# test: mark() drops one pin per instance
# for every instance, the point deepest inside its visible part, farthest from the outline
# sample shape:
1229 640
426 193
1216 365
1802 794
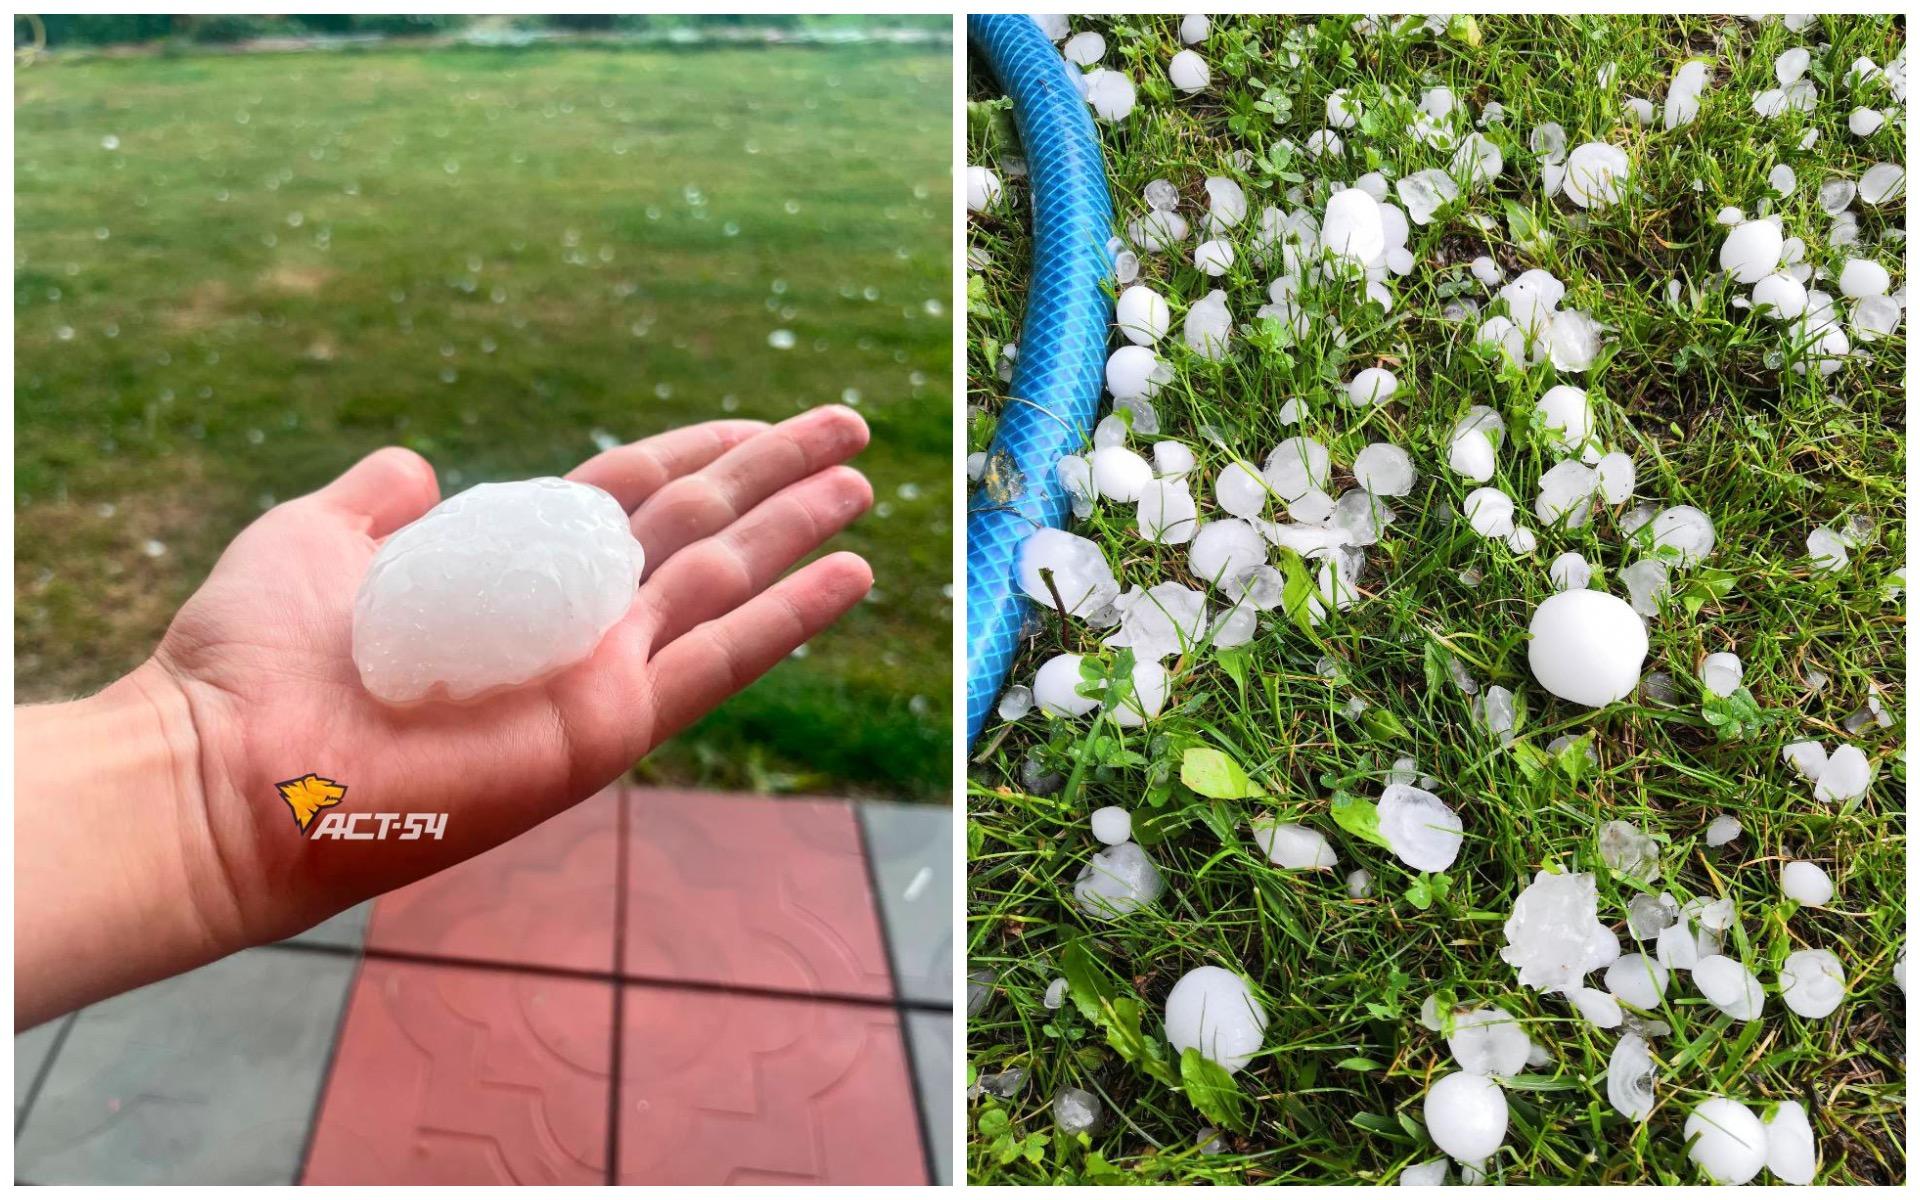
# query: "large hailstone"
496 587
1081 578
1488 1041
1593 174
1419 827
1212 1010
1790 1148
1729 986
1587 647
1554 937
1466 1116
1813 983
1728 1141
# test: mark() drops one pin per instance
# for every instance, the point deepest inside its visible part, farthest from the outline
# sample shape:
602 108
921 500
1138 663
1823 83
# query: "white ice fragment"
1646 583
1598 1008
1166 513
1751 250
1722 829
1567 415
1294 847
1117 881
1570 571
1587 647
1630 1077
1075 1110
1637 980
1081 578
1187 71
1056 994
1142 315
1208 326
1727 1140
1813 983
1594 174
1384 469
1119 473
1240 490
1425 193
1686 531
1845 776
1791 1155
1863 277
1720 673
1554 937
1806 883
1488 1041
1353 227
983 189
1297 466
1373 386
1112 824
1161 621
1419 828
1194 28
1084 49
1882 182
1056 687
1629 850
1466 1116
1225 550
1808 758
1780 296
496 587
1432 1173
1110 93
1133 371
1359 883
1214 257
1489 511
1729 986
1212 1010
1173 460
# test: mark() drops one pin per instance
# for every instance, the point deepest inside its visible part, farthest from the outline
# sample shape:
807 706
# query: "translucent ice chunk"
1637 980
1488 1041
1075 1110
1112 824
1813 983
1727 1140
498 586
1630 851
1117 881
1554 937
1295 847
1630 1078
1419 827
1212 1010
1384 469
1729 986
1790 1148
1080 574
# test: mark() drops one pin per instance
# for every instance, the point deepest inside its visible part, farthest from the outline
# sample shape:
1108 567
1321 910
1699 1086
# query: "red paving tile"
753 892
547 898
726 1088
450 1075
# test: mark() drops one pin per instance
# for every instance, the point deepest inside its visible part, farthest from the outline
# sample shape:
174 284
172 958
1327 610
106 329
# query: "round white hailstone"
1173 460
1297 466
1630 1077
1573 341
1188 72
1375 386
1554 937
1194 28
1148 698
1055 684
1568 415
1119 473
1637 980
1236 625
1640 109
1780 296
1056 994
1845 776
1827 549
493 588
1791 64
1142 315
1813 983
1782 180
1226 203
1790 1150
1470 454
1225 550
1342 112
1490 511
1353 226
1359 884
1466 1116
1863 277
1808 758
1477 161
1722 829
1208 326
1751 251
1081 577
1084 49
1485 270
1594 172
1240 490
1687 531
1167 514
1721 673
1587 647
1215 258
1324 142
1729 986
1131 371
1295 847
1615 474
1384 469
1731 1144
1570 571
1598 1008
1419 827
1112 824
983 189
1873 318
1806 883
1521 540
1882 182
1212 1010
1111 95
1117 881
1488 1041
1863 122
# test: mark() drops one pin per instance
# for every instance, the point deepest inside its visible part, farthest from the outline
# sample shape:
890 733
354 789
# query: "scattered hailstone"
1432 1173
1752 250
1630 1077
1188 72
1594 172
1813 983
1359 884
1117 881
1194 28
1726 1140
1142 315
1079 572
1016 702
1570 571
1790 1148
1827 549
1294 847
1637 980
1056 994
1075 1110
1488 1041
1845 777
1720 674
1807 758
493 588
1806 883
1112 824
1722 829
1630 851
1084 49
1554 937
1212 1010
983 189
1587 647
1686 531
1214 258
1110 94
1729 986
1208 326
1056 687
1419 828
1882 182
1466 1116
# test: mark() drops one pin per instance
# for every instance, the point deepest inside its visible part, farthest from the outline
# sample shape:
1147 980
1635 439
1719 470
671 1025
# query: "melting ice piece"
1117 881
1722 829
1076 1110
1729 986
1790 1149
1056 994
496 587
1627 849
1637 980
1420 829
1432 1173
1813 983
1807 883
1488 1041
1295 847
1466 1116
1112 824
1056 687
1016 702
1732 1144
1554 937
1212 1010
1721 673
1630 1078
1081 576
1845 777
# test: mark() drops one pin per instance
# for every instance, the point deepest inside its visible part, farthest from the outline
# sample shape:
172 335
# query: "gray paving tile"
912 848
208 1078
931 1035
347 930
30 1050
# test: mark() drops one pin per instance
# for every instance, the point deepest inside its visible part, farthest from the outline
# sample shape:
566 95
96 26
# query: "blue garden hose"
1063 344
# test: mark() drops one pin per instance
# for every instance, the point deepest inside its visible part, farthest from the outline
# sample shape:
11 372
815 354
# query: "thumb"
386 490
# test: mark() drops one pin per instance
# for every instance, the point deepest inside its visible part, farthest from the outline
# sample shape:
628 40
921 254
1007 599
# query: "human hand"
255 683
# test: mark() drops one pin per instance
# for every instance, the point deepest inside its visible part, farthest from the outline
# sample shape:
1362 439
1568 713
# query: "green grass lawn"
1691 393
234 275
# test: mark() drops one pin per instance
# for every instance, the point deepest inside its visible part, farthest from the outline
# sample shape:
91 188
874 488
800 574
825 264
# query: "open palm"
262 656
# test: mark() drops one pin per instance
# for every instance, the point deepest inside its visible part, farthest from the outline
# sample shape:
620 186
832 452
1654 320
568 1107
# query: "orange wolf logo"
307 795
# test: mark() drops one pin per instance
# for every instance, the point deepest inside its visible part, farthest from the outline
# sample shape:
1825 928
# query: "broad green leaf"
1211 773
1358 816
1212 1090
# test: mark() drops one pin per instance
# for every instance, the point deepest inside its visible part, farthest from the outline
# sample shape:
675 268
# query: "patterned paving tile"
751 891
457 1075
931 1036
547 898
206 1078
912 849
734 1089
30 1050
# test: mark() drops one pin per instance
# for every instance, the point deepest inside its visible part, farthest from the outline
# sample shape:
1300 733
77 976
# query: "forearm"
116 878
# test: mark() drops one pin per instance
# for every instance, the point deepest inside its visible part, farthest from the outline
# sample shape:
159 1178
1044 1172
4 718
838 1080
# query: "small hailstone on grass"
1726 1140
1372 386
1587 647
1056 687
983 189
1485 270
1790 1148
1212 1010
1225 550
1187 71
1646 583
1111 824
1808 758
1570 571
1683 94
1384 469
1161 621
1142 315
1016 702
1466 1116
1648 914
1813 983
1240 490
1425 193
1496 709
1359 884
1722 829
1751 250
1167 513
1641 110
1594 172
1488 1041
1637 980
1296 466
1081 577
1075 1110
1117 881
1882 182
1782 180
1111 95
1056 994
1132 371
1685 530
1845 776
1598 1008
1630 1077
1214 258
1419 828
1862 277
1294 847
1226 203
1729 986
1208 326
1432 1173
1119 473
1554 937
1084 49
1353 227
1566 494
1720 673
1780 297
1172 460
1630 851
1194 28
1343 112
1863 122
1489 511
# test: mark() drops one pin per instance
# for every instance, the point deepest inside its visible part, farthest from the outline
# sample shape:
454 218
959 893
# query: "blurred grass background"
237 273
